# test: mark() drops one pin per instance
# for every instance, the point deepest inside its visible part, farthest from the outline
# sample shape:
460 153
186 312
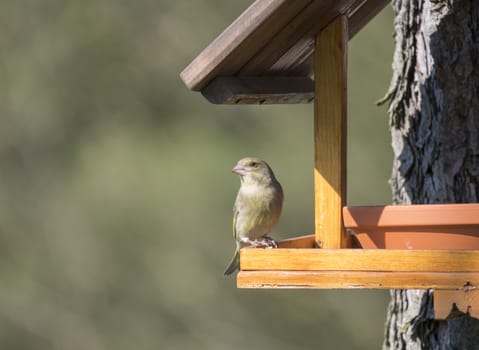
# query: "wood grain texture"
259 90
299 242
355 279
292 44
362 12
243 38
274 38
360 260
449 304
330 134
298 58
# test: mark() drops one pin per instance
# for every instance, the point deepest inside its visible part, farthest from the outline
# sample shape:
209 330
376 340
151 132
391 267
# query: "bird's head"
253 169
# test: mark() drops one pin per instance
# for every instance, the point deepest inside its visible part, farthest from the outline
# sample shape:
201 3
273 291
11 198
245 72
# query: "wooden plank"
288 46
299 242
362 12
411 215
243 38
259 90
355 279
299 36
274 37
297 60
330 134
360 260
449 304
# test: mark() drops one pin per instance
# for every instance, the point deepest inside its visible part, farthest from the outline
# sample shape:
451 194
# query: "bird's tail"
235 262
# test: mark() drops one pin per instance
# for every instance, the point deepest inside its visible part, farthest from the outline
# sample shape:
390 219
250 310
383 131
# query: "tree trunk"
434 120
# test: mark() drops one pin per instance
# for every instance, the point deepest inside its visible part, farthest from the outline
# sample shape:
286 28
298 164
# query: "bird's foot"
246 242
265 242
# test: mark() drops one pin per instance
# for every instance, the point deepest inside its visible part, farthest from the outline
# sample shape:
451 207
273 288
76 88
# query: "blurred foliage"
116 191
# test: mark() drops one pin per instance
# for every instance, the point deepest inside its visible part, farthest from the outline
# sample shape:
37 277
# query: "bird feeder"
270 54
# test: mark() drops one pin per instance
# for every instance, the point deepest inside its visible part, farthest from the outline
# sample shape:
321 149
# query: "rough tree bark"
434 119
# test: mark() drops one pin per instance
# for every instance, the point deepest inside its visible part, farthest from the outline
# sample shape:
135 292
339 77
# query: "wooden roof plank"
289 44
298 59
240 41
274 38
363 13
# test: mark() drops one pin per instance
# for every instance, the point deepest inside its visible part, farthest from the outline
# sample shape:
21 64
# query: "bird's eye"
254 164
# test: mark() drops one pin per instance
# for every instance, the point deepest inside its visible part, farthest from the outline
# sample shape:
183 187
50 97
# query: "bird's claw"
266 242
246 242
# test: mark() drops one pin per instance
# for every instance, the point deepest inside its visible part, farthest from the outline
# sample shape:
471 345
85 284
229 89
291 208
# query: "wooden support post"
330 70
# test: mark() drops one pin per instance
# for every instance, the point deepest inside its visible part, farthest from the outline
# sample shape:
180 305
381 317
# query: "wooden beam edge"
356 280
259 90
307 241
231 49
359 260
362 13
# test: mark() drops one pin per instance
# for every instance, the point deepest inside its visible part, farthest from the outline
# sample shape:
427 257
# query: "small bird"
257 207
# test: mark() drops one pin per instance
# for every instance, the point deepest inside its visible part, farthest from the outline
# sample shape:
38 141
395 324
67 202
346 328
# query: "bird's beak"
239 170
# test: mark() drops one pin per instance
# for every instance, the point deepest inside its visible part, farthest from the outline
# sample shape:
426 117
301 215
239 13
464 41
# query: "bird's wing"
235 216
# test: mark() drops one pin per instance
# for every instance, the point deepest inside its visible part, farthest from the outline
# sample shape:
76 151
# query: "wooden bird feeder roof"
266 54
270 54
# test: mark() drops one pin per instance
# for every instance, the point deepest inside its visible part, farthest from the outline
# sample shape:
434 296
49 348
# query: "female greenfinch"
257 207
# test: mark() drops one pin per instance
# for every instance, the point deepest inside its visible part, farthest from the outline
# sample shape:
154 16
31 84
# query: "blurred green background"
116 191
